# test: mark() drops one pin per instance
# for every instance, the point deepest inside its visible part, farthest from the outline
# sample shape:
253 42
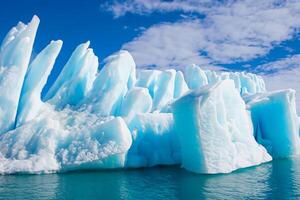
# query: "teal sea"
279 179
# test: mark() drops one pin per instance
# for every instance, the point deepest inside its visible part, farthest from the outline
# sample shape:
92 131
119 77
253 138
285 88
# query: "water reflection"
285 179
276 180
244 184
28 186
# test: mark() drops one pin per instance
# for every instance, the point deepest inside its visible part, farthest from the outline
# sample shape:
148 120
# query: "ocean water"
279 179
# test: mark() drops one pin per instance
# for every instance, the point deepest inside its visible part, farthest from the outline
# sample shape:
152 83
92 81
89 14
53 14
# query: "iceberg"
180 85
137 100
215 130
35 79
275 122
76 78
15 54
121 116
195 77
244 82
148 79
154 141
111 85
63 141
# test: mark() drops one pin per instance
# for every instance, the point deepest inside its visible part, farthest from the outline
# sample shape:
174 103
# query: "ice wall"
137 100
154 141
121 117
111 85
215 130
35 79
76 78
275 121
62 141
15 54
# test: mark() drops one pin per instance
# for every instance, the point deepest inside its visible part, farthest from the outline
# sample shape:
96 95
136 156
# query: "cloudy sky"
246 35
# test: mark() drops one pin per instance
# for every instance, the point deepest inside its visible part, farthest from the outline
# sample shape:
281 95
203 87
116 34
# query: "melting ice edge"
119 117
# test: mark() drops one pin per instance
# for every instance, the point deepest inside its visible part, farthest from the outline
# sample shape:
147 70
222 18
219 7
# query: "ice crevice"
125 117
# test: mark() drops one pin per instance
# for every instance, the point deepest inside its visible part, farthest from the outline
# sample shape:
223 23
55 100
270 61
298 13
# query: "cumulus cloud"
229 32
121 7
169 45
283 74
285 64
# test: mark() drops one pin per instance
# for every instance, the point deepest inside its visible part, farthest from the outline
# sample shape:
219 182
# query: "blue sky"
255 36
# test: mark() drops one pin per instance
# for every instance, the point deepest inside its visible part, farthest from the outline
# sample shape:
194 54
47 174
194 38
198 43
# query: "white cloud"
286 64
230 32
285 80
142 7
283 74
169 45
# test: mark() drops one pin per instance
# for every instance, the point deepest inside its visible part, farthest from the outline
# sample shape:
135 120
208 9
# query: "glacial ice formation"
15 54
76 78
123 117
154 140
66 140
215 130
275 121
35 80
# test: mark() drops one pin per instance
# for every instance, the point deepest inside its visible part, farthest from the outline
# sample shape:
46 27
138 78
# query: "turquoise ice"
123 117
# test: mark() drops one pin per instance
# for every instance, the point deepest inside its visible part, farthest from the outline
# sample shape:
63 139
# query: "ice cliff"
123 117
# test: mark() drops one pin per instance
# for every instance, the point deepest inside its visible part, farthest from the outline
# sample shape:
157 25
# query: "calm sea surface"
279 179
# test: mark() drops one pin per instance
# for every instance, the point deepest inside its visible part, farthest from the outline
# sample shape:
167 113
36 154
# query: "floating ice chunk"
30 148
162 86
180 85
275 121
247 82
68 71
212 76
154 141
164 92
12 34
148 79
101 146
76 78
195 77
137 100
35 79
13 52
65 140
111 85
215 130
180 88
250 83
14 58
299 125
244 82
